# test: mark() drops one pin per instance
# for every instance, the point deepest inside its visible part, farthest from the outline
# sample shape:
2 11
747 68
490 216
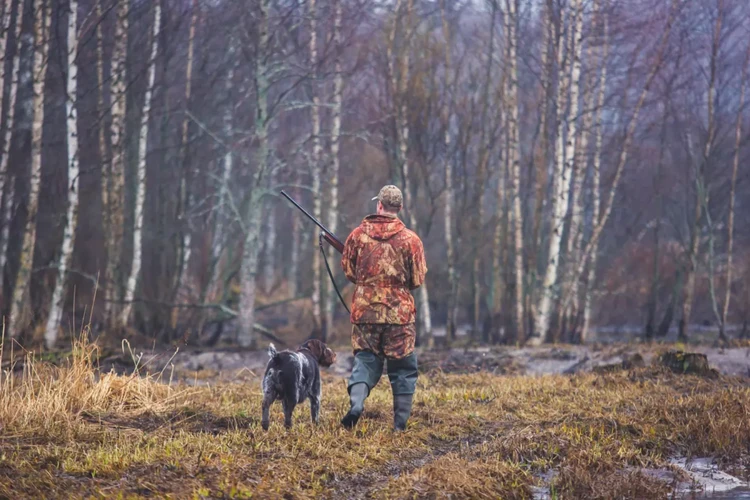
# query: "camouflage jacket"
385 260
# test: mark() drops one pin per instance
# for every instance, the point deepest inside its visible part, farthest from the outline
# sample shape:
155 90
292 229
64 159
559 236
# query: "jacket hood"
381 227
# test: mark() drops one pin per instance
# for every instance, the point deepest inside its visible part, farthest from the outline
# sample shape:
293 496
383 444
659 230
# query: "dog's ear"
324 355
328 358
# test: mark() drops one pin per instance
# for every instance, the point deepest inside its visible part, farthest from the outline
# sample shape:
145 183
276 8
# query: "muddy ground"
200 366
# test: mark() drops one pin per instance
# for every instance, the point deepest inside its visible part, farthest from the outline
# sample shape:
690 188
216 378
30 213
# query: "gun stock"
327 235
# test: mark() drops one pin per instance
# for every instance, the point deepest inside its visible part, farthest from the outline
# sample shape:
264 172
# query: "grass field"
69 432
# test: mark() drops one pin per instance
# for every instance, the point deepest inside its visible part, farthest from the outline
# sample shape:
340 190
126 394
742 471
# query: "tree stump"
687 363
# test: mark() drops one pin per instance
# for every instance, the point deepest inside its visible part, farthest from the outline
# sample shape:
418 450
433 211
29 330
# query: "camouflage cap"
390 196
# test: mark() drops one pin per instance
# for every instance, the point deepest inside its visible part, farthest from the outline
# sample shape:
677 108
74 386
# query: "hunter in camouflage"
385 261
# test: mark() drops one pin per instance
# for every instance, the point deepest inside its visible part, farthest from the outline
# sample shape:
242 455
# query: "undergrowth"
71 432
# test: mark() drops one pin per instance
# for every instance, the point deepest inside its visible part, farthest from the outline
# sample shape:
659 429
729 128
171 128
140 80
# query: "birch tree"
338 97
135 269
515 164
9 111
590 253
115 180
596 172
448 207
701 189
71 218
42 16
315 167
733 196
184 202
559 203
399 80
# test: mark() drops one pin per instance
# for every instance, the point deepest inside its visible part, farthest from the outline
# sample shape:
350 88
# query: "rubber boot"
357 395
401 410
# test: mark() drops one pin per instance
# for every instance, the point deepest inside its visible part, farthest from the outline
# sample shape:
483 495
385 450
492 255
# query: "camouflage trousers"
392 346
384 340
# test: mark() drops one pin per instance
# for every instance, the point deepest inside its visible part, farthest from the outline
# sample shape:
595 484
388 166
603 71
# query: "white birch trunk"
251 247
186 245
333 202
515 166
5 27
18 315
135 269
449 189
102 110
293 275
320 328
589 254
732 195
116 182
71 218
6 137
269 248
219 238
7 216
403 147
596 179
559 198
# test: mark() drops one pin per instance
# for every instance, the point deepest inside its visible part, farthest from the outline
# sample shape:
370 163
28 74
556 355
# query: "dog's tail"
272 351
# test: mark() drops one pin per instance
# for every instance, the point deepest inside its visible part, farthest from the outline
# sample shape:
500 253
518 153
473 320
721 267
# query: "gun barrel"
331 238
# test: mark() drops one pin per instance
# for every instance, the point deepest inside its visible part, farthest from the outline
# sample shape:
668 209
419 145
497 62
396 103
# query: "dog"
293 377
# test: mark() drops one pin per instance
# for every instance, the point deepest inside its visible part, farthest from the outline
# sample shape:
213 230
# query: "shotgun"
327 235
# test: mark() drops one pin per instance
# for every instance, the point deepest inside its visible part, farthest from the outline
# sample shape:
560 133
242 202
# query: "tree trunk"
185 197
10 112
71 220
251 247
116 181
702 194
333 202
596 178
515 167
559 191
320 328
269 247
732 196
448 214
19 313
135 269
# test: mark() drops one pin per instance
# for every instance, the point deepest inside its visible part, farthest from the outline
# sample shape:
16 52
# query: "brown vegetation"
69 430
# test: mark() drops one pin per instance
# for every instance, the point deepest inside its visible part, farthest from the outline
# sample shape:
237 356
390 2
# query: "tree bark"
448 214
515 167
135 269
7 135
185 198
559 191
333 202
115 184
701 195
18 316
71 219
320 327
732 197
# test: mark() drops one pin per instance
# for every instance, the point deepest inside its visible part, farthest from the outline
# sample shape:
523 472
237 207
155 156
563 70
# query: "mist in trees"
570 165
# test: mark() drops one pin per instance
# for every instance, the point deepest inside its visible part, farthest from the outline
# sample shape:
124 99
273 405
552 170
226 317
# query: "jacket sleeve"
349 257
418 264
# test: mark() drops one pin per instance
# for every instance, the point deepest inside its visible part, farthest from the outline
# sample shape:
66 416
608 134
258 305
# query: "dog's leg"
315 394
288 405
315 408
268 400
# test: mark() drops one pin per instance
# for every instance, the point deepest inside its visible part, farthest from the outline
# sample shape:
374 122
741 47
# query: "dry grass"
70 432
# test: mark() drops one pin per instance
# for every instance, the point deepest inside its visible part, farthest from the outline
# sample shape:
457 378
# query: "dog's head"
321 352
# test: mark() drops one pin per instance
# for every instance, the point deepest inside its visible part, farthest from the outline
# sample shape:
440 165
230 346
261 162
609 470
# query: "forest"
571 166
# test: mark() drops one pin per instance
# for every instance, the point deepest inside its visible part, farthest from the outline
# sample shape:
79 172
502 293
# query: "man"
385 261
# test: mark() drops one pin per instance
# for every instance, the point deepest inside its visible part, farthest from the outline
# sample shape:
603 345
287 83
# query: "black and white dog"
293 377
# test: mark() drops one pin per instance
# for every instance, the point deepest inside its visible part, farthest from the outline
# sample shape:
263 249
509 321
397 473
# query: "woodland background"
569 164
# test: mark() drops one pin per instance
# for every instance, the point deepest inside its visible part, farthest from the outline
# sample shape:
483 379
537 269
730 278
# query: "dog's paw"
264 425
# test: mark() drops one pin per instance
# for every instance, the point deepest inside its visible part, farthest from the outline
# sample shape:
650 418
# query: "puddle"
708 481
